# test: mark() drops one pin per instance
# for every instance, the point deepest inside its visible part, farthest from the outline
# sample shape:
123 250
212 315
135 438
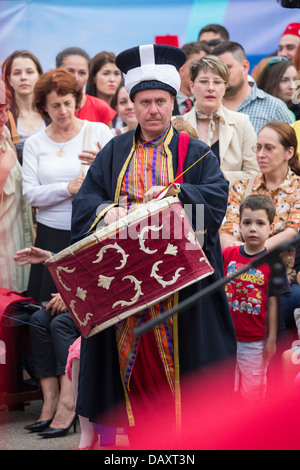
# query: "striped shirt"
148 167
262 107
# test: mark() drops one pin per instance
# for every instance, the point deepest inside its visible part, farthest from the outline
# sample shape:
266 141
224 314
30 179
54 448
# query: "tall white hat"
152 66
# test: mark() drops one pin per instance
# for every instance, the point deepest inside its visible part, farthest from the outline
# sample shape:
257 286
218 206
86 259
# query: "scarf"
212 125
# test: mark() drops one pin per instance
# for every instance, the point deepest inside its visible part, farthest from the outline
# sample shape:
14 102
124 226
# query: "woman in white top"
229 134
16 230
54 166
21 71
55 162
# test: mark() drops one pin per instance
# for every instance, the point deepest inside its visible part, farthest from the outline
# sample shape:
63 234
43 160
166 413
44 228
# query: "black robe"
206 332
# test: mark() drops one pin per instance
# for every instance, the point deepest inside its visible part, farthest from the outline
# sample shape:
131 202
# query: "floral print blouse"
287 202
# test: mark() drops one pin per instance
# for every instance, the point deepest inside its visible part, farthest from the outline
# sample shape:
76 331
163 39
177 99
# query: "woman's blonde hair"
211 62
184 126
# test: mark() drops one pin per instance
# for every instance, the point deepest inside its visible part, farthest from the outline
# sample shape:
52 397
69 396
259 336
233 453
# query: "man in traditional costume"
118 368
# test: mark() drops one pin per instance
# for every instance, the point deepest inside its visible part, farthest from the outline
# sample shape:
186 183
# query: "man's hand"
56 305
114 214
156 190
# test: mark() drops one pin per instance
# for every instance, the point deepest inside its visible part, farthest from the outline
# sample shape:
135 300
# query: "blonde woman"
229 134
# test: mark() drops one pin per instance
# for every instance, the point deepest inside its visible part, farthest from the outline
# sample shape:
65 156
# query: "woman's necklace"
61 152
67 135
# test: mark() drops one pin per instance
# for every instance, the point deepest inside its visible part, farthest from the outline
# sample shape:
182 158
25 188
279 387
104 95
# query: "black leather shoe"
58 432
38 426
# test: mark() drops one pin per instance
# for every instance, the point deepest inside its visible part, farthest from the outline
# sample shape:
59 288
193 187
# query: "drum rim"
146 209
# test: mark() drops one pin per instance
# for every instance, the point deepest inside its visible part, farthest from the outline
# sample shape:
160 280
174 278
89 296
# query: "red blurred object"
215 419
292 28
168 39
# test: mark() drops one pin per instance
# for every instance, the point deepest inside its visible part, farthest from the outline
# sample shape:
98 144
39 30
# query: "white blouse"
46 175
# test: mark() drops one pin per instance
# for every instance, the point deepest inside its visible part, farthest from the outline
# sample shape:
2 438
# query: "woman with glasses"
229 134
278 78
279 179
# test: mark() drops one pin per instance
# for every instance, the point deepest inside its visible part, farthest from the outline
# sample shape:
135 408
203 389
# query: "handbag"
15 308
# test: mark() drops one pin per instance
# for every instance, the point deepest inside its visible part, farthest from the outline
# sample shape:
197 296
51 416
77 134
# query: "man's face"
208 36
288 45
185 73
153 109
238 73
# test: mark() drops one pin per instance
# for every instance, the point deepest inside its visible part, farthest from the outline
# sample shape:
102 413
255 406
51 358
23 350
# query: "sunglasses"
275 60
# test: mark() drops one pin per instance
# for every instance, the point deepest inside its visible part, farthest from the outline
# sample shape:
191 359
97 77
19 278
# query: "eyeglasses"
204 83
275 60
267 148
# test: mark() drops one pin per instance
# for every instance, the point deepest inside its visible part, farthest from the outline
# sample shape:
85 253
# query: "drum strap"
183 144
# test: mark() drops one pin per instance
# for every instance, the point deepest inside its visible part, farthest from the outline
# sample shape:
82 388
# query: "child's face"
255 227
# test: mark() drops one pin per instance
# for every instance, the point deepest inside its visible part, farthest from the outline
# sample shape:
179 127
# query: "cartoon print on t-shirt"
247 295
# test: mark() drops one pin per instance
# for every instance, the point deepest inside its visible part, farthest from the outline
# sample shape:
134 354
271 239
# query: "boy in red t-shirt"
253 307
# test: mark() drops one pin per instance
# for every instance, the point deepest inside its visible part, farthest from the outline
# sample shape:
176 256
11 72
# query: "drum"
125 267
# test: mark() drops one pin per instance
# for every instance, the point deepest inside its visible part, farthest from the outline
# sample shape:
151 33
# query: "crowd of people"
94 130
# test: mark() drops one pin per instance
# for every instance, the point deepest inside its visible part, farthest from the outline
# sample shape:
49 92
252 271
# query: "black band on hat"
153 66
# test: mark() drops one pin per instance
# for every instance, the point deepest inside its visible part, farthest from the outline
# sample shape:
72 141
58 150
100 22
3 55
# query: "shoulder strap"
87 135
250 186
13 129
86 141
183 144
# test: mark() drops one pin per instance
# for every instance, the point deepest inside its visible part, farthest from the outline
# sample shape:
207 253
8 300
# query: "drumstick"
172 182
160 195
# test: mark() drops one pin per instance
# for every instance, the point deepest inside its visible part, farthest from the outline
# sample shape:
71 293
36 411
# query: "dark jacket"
206 332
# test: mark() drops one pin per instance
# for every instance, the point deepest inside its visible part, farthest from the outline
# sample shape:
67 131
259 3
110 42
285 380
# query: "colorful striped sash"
147 168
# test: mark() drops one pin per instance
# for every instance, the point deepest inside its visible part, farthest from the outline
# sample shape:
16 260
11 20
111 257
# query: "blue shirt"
262 107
